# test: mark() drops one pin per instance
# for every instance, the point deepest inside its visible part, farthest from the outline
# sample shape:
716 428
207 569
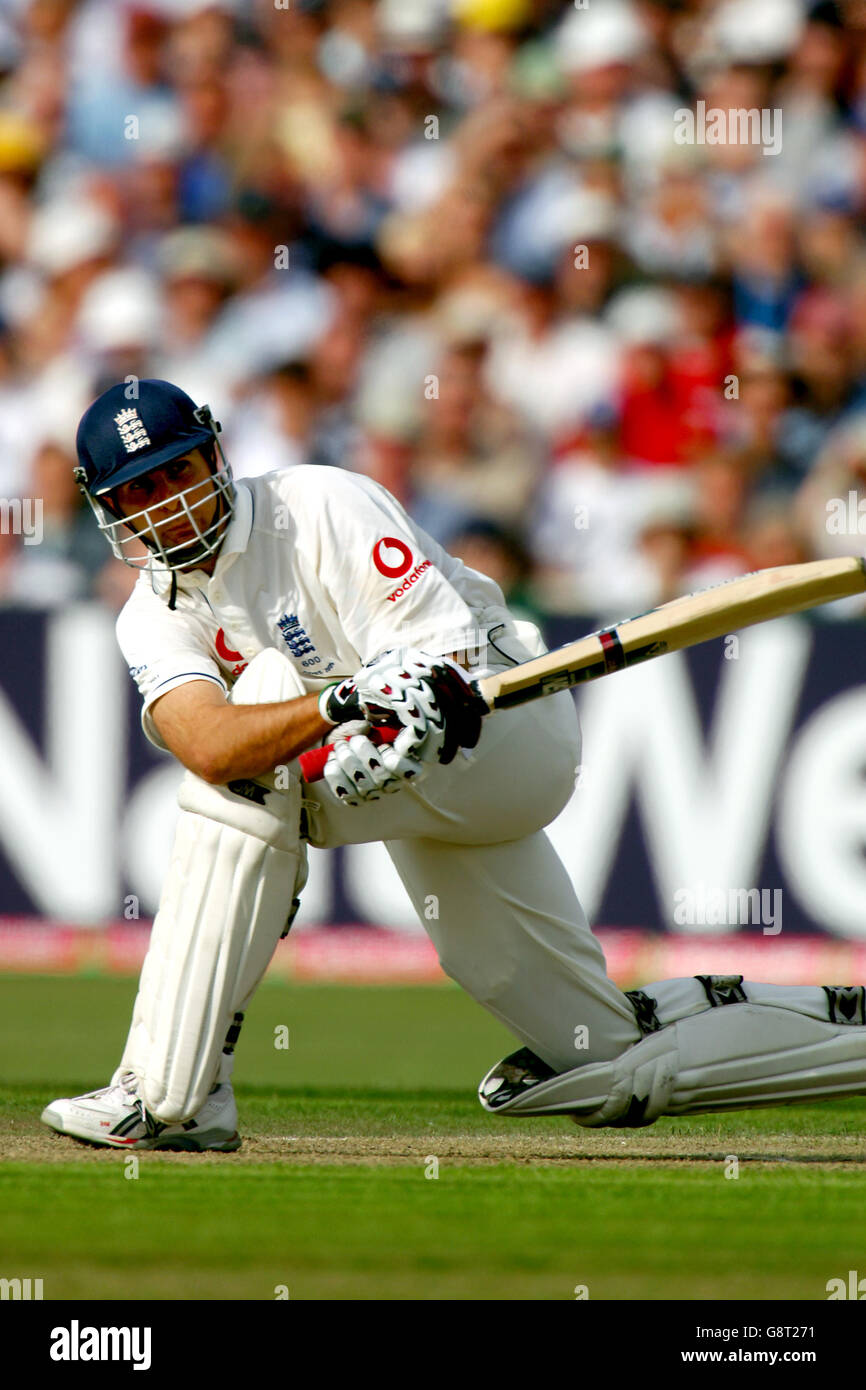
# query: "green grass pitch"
334 1193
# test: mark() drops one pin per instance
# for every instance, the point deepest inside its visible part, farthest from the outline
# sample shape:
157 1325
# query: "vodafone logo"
392 544
224 650
228 654
418 572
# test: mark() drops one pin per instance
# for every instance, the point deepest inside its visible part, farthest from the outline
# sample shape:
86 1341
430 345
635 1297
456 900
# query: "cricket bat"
684 622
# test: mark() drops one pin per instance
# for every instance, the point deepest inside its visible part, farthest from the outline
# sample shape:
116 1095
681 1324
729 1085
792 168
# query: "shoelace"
127 1084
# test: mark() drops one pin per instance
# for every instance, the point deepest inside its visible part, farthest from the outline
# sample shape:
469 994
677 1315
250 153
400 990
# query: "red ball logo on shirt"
224 650
392 543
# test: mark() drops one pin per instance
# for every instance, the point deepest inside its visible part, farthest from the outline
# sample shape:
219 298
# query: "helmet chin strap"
191 563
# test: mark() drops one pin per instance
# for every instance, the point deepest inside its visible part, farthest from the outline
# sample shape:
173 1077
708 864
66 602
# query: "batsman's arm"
220 742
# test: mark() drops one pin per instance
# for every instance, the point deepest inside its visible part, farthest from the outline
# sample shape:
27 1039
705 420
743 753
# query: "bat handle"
313 762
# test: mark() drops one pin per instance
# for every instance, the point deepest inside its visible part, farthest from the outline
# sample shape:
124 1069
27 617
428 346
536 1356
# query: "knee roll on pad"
252 807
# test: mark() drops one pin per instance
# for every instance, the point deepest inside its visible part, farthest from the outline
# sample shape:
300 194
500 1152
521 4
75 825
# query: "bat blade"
684 622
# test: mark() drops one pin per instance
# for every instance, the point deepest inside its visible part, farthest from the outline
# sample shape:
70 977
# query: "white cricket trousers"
510 928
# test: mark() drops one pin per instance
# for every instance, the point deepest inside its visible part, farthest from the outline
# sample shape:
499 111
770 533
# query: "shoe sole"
175 1145
180 1143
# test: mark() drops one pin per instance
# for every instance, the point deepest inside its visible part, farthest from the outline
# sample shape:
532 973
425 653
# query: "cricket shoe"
115 1116
512 1077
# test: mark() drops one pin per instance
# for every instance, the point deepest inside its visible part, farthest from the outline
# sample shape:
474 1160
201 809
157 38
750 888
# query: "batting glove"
358 770
338 703
429 696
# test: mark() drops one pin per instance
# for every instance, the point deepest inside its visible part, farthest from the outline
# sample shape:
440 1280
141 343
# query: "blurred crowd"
462 247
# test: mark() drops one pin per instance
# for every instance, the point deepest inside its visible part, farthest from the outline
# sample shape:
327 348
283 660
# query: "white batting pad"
733 1057
235 868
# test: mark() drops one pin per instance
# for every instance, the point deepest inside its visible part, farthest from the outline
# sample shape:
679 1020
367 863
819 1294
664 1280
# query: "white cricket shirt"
322 564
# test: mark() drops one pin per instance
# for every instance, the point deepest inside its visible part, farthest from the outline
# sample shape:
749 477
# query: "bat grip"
313 762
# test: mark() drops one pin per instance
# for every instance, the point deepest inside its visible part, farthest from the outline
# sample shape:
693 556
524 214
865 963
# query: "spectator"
474 456
306 216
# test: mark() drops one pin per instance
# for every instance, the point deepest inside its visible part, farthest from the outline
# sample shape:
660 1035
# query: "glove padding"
429 696
359 770
339 702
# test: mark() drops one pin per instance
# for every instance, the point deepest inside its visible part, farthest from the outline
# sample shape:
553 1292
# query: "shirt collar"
239 528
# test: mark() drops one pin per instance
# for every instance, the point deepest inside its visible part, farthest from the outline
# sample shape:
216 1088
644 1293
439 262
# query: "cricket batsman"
299 609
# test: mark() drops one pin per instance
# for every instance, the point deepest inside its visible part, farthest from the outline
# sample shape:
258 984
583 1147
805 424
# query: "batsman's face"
171 501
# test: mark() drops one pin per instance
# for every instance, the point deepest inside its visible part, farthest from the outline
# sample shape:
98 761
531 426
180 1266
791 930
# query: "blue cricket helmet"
119 437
